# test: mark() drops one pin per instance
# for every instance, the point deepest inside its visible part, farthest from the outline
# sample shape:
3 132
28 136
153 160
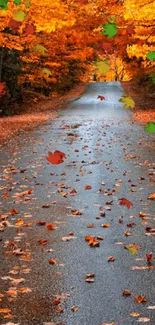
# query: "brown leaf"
73 192
126 293
76 212
13 211
41 223
74 308
46 206
42 242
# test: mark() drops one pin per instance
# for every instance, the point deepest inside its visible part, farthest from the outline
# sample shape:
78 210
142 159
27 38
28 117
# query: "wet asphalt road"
103 149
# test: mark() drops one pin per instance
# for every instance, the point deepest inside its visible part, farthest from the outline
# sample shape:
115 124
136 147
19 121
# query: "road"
115 157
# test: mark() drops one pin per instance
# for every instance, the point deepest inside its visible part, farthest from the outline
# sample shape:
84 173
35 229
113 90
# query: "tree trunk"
1 63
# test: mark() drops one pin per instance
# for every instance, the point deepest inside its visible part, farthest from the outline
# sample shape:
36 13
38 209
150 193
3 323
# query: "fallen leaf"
52 261
5 310
41 223
140 299
151 307
24 290
56 157
50 226
74 308
105 225
151 196
143 320
126 293
73 192
60 310
101 97
148 257
42 242
125 202
91 225
134 314
88 187
76 212
127 233
89 280
111 259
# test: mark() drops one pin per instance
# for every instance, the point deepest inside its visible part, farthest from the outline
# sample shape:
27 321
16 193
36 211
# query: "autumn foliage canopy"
54 44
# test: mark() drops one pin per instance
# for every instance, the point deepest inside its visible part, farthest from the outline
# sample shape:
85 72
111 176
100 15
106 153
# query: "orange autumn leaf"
140 299
42 242
105 225
126 293
50 226
52 261
60 310
125 202
5 310
88 187
56 158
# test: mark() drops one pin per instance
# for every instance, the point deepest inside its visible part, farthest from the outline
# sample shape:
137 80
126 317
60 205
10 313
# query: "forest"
49 46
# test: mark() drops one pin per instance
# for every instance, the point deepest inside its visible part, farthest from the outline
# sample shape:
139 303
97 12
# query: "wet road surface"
105 150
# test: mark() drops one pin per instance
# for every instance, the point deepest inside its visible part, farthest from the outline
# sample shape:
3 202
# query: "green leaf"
46 71
128 101
20 15
153 77
40 48
17 2
150 127
151 55
28 3
4 4
109 29
103 67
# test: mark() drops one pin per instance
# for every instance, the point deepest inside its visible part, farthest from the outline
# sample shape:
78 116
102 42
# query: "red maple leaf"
2 89
107 47
14 24
29 29
101 97
126 202
56 158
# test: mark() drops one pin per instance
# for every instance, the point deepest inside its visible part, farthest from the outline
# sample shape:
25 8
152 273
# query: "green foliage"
109 29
